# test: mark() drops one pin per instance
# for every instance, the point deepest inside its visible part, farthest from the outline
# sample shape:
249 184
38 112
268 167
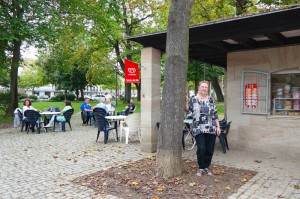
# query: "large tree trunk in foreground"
169 154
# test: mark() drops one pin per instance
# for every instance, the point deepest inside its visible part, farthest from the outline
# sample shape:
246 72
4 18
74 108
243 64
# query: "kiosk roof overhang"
210 42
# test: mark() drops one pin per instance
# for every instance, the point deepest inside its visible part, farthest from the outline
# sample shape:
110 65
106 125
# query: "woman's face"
203 88
27 103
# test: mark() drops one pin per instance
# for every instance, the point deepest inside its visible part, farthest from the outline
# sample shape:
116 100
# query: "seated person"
87 111
102 105
131 106
51 109
129 109
60 118
110 106
27 106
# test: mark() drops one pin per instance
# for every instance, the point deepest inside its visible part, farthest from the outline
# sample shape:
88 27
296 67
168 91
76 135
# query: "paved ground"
42 166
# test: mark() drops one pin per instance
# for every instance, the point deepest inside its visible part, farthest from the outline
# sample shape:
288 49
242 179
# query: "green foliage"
22 96
33 97
196 72
220 109
4 101
61 97
23 21
209 10
71 97
32 75
58 98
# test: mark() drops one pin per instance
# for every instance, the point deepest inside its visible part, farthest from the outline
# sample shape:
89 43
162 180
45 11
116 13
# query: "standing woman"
205 126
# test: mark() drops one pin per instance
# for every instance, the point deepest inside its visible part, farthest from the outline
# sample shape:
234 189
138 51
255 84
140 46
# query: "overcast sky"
29 52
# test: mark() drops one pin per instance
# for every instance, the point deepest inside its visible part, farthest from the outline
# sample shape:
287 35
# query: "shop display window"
281 98
285 92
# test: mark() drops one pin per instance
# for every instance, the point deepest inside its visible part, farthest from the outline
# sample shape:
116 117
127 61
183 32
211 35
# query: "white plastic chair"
124 127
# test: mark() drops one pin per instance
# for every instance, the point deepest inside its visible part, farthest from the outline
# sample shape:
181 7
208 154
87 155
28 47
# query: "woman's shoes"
205 171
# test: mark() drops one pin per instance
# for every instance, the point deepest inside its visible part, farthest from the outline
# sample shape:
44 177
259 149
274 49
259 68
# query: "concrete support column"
150 98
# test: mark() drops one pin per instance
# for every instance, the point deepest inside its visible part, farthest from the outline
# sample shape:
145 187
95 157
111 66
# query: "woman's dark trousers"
205 149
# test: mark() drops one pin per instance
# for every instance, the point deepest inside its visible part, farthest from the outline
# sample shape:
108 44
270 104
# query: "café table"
115 119
48 113
189 133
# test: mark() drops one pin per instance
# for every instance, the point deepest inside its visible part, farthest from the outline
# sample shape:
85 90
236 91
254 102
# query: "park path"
44 165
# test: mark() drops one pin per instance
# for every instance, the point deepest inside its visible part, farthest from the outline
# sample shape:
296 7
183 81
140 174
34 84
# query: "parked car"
44 97
97 97
88 97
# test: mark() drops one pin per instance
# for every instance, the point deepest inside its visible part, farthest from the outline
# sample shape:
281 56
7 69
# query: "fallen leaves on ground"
139 180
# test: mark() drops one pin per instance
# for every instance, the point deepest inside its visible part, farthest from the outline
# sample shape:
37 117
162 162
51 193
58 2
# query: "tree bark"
14 78
169 153
215 84
81 93
138 89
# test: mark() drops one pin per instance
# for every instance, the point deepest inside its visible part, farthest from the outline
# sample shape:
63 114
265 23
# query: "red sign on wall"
250 96
132 74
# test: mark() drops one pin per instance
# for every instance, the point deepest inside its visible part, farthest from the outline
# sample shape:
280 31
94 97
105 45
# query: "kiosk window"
254 92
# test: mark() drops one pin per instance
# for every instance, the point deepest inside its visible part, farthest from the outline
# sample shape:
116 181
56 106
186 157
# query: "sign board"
250 95
132 74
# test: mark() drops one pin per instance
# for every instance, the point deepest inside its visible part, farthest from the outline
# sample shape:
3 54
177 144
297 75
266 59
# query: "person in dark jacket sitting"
128 109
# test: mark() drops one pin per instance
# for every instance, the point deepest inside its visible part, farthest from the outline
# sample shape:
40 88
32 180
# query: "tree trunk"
196 86
169 153
66 93
81 93
14 78
215 84
77 93
138 89
127 93
128 86
241 6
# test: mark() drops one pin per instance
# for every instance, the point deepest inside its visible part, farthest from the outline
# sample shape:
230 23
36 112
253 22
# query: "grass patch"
220 108
4 119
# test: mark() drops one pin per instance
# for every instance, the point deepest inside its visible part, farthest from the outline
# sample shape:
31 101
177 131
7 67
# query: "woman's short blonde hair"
203 82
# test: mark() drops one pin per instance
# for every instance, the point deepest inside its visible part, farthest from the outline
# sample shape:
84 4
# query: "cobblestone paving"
44 165
278 176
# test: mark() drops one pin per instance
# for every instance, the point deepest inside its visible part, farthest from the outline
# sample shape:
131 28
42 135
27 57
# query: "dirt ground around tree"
139 180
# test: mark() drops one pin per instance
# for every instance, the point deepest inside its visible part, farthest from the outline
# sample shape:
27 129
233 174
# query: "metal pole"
204 71
116 88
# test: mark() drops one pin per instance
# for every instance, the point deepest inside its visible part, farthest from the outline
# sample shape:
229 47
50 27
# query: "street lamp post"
116 88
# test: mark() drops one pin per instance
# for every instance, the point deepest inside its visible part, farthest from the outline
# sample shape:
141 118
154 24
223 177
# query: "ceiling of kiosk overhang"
210 42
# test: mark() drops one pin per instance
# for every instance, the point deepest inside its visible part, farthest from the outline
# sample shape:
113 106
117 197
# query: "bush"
4 101
22 96
58 98
80 98
61 97
32 97
22 100
71 97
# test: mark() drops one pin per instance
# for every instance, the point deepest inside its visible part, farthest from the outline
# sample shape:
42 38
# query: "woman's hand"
186 102
218 131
